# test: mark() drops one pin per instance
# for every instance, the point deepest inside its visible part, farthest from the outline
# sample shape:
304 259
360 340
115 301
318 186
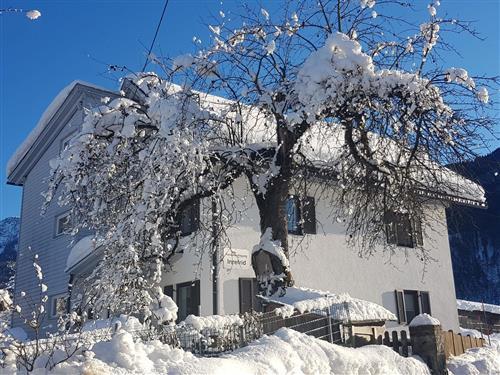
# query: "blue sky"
74 39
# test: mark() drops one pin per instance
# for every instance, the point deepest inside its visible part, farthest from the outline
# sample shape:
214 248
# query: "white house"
224 283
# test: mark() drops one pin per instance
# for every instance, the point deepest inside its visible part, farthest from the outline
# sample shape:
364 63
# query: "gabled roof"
52 121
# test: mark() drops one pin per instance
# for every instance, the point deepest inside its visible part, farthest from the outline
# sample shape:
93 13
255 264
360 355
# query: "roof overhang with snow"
51 123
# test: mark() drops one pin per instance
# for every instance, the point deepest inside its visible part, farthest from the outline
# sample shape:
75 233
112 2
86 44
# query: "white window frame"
66 140
53 304
58 218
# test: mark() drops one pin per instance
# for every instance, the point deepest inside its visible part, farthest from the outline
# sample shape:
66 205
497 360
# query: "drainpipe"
70 290
215 259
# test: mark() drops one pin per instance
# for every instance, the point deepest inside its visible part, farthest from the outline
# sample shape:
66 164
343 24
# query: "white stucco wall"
324 261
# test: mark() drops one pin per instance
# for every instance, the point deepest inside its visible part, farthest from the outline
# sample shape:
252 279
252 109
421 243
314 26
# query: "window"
190 219
63 224
301 215
248 295
66 141
410 303
59 305
188 299
402 231
169 291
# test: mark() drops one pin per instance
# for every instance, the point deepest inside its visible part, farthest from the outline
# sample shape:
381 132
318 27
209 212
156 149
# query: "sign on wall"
237 259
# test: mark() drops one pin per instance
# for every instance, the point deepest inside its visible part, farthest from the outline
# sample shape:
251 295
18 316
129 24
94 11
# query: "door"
188 299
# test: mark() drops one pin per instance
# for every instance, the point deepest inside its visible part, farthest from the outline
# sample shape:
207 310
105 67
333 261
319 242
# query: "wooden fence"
455 344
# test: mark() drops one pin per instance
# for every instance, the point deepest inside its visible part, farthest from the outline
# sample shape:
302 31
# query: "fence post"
330 330
428 343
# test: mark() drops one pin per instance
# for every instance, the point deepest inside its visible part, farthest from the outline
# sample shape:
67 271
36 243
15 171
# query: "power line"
156 34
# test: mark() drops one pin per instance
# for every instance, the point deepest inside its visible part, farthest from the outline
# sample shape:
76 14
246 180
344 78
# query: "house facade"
224 283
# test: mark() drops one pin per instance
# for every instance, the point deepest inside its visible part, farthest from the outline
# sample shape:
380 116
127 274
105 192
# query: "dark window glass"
293 215
188 299
401 231
411 304
63 224
425 302
190 219
169 291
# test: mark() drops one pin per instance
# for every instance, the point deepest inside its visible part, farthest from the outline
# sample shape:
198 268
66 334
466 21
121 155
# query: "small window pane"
426 302
293 215
59 306
63 224
411 304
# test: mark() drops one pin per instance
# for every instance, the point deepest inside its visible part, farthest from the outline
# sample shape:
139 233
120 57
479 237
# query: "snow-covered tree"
341 95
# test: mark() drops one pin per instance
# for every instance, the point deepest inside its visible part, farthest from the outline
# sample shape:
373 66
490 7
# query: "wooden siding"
37 232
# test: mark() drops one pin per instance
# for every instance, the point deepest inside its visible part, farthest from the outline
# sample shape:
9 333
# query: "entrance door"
248 292
188 299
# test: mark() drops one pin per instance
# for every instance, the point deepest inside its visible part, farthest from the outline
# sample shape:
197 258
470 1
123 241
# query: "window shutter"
195 216
425 302
197 295
390 227
309 215
400 306
417 232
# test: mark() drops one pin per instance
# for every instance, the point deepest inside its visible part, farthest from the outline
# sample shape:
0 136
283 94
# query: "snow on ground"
285 352
475 361
343 307
477 306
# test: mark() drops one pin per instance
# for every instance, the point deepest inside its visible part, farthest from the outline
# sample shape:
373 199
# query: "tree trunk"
273 214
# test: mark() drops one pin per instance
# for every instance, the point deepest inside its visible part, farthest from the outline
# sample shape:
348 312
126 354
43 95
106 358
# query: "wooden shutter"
400 306
196 299
390 227
195 216
308 215
417 232
425 303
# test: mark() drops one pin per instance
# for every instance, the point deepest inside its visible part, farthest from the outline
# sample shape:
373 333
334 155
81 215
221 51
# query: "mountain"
475 234
9 236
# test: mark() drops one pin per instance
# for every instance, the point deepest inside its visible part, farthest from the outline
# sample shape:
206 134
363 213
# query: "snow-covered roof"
342 307
81 250
477 306
47 115
323 145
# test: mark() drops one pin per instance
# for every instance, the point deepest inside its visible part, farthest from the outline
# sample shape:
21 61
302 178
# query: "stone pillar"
428 342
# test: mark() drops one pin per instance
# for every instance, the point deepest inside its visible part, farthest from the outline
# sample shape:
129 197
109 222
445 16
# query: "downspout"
215 259
70 290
